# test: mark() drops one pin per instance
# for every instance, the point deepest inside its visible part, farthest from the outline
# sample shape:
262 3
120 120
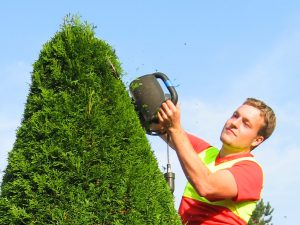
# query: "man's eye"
247 124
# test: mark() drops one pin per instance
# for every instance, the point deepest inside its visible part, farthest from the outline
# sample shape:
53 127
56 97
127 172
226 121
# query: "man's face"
240 132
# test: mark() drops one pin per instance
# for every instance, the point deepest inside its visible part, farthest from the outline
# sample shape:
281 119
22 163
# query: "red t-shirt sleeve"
249 179
198 144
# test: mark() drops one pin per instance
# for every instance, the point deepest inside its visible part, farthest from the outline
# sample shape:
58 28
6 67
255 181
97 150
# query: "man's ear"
257 141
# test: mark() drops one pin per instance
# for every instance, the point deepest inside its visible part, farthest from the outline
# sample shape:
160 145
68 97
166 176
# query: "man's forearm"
167 138
196 172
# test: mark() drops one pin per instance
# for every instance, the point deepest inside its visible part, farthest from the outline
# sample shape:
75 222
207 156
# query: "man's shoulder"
248 175
249 162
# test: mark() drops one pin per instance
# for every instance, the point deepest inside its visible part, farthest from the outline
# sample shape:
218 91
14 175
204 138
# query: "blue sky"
217 53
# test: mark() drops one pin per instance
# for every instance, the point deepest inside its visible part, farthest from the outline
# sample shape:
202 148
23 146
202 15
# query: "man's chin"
227 141
224 138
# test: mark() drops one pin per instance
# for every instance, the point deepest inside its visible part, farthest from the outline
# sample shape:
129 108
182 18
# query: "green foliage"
262 214
81 156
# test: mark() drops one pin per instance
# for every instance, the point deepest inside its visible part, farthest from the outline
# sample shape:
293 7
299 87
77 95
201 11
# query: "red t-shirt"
249 179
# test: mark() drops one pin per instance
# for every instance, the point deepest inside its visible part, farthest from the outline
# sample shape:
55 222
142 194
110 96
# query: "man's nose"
235 123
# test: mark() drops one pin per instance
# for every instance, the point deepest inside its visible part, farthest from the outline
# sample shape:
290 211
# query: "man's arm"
218 185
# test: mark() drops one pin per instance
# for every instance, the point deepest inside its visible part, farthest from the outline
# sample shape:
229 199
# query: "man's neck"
226 151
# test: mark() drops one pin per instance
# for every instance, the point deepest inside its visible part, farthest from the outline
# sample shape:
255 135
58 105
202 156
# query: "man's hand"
169 116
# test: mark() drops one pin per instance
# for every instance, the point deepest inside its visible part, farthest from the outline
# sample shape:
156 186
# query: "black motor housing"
148 97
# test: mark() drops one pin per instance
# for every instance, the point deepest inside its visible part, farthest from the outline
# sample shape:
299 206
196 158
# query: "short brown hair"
269 116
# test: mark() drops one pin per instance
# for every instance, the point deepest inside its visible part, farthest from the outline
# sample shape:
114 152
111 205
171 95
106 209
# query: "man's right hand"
169 116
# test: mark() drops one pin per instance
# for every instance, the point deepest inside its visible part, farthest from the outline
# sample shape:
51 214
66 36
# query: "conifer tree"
81 155
262 214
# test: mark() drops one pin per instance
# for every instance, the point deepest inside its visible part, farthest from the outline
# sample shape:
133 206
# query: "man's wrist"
175 130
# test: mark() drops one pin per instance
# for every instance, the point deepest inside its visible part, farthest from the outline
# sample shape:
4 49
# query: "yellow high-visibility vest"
241 209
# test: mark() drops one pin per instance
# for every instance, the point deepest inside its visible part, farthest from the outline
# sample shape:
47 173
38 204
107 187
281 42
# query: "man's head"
267 113
251 124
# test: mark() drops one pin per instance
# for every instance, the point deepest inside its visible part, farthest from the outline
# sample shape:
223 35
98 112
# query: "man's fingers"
166 108
172 107
159 115
163 113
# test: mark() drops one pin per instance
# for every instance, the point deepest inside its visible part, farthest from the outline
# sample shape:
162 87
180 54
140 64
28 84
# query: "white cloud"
275 74
205 119
283 164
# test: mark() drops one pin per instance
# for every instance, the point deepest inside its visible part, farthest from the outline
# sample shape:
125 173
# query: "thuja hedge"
81 155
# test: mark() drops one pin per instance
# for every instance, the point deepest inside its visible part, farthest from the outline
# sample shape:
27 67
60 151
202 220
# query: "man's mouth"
230 130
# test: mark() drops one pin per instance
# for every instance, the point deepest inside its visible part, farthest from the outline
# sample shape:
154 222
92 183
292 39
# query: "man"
223 185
